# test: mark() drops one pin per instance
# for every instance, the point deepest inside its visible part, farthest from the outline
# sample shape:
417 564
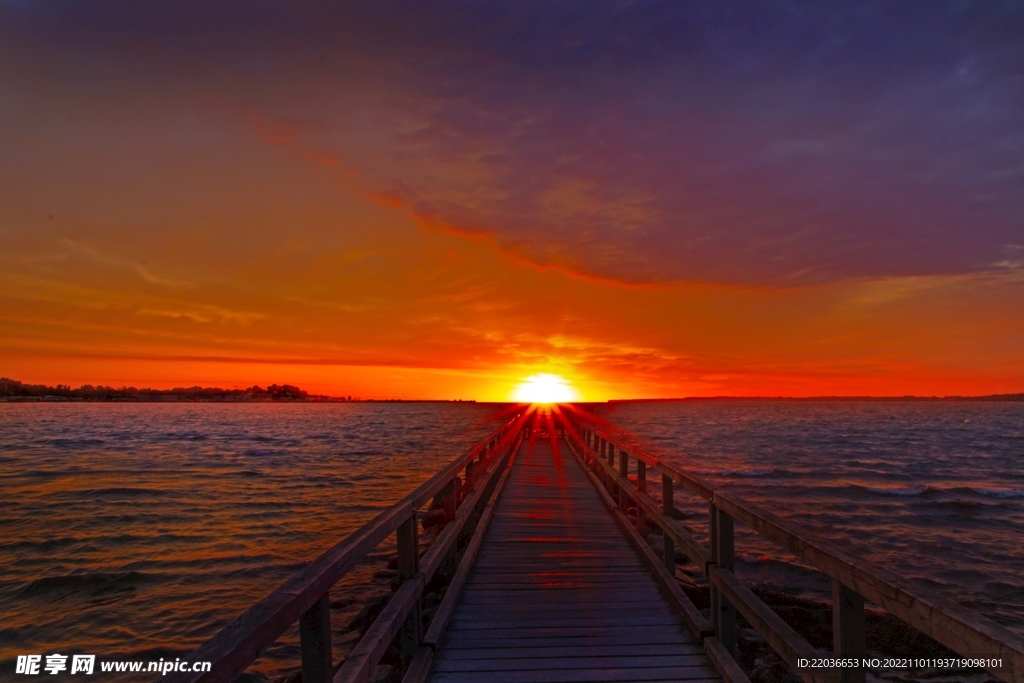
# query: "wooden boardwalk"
558 594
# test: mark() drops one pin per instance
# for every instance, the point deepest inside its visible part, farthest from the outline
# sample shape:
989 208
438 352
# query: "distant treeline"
13 389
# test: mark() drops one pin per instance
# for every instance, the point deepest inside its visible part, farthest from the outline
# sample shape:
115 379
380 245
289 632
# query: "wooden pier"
557 593
553 581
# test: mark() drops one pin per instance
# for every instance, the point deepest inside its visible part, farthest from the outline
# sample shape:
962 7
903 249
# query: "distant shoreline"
13 391
990 398
227 399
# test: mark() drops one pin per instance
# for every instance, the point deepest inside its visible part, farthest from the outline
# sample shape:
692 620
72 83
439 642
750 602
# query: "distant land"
989 397
14 391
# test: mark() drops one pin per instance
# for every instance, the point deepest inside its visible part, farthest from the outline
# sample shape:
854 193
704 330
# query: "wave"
95 582
753 472
121 491
899 491
73 442
998 493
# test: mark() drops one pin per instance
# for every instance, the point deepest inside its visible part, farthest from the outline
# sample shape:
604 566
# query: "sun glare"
545 388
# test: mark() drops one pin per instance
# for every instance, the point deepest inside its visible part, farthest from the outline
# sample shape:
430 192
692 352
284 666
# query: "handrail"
854 580
305 595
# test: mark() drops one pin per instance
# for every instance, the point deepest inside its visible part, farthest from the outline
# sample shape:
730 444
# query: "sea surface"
137 530
931 490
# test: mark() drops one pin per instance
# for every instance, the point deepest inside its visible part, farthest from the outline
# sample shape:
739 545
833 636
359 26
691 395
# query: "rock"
453 488
373 607
437 518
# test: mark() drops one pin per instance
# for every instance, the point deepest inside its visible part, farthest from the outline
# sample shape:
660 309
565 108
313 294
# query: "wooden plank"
629 619
584 675
543 631
555 663
568 598
550 611
547 651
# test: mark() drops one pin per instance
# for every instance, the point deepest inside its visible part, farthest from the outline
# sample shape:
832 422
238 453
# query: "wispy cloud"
142 270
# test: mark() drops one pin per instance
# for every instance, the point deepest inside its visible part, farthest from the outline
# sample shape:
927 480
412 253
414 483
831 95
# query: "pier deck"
558 594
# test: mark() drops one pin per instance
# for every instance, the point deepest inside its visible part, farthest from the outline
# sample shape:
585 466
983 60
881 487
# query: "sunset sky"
435 200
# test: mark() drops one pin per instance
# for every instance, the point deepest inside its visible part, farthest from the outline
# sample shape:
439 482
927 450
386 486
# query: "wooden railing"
305 598
854 580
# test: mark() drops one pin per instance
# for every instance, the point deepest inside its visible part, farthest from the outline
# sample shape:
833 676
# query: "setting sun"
545 388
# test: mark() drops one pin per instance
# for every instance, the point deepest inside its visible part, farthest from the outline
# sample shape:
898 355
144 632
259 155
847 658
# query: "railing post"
315 641
641 486
624 474
666 509
612 487
409 564
848 630
723 614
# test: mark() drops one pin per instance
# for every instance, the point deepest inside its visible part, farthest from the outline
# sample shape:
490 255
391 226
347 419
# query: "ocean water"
933 491
136 531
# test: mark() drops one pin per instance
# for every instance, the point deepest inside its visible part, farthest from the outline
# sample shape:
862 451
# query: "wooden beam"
623 477
446 540
722 659
848 632
315 641
693 548
667 508
363 659
451 596
666 580
723 614
408 565
419 667
641 489
789 644
953 625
